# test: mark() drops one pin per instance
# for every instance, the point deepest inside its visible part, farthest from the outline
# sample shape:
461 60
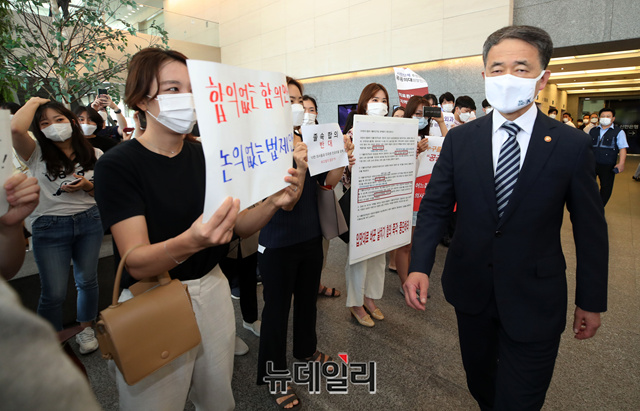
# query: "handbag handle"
163 278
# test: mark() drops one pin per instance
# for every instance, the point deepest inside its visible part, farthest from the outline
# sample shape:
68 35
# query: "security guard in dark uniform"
608 141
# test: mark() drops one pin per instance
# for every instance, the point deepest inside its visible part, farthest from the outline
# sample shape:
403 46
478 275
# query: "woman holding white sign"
365 280
290 261
414 109
151 191
311 118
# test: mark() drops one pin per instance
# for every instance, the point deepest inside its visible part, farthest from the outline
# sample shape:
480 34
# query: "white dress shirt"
525 122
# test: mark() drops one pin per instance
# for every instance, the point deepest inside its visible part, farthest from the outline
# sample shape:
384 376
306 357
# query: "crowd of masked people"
95 178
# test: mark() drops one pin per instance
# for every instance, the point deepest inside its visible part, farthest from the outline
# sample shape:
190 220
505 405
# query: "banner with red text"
325 147
426 161
246 129
409 84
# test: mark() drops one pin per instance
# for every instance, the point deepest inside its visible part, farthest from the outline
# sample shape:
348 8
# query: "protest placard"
325 147
426 160
409 84
244 117
6 157
382 184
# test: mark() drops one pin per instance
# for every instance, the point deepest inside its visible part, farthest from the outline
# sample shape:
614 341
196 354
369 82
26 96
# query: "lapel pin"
547 139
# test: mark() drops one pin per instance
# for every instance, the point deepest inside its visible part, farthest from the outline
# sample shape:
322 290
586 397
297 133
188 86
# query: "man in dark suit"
511 174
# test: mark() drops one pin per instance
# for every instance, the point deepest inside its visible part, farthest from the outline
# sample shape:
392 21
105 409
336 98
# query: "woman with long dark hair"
66 224
365 280
290 261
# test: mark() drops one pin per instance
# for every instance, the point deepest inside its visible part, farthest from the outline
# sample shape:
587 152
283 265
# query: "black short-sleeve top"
132 181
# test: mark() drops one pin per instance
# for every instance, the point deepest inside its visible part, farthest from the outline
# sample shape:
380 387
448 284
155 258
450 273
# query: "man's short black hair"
552 110
446 96
465 102
485 103
535 36
431 97
602 110
568 114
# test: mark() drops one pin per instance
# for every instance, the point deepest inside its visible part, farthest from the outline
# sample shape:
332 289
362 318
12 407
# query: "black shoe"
636 178
235 293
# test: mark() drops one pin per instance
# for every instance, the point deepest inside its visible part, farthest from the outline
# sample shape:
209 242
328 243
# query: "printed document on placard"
6 158
382 183
325 147
244 117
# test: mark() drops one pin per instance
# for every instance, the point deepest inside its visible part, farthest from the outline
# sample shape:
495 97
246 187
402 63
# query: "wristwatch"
118 111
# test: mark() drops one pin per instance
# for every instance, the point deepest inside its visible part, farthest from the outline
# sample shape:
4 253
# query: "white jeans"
204 373
365 278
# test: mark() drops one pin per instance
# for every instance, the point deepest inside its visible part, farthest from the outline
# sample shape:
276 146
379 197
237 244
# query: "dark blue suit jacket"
518 257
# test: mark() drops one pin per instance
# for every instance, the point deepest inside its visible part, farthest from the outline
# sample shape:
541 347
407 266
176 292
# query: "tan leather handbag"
150 330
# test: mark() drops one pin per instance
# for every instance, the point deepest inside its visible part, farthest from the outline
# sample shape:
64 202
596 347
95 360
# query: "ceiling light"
604 90
595 71
598 83
598 56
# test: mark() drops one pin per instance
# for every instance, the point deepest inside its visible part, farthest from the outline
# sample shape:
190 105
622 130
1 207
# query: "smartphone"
76 181
432 111
102 91
128 129
615 170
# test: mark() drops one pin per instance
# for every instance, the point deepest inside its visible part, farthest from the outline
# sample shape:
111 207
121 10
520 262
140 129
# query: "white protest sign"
409 84
382 183
434 128
6 157
428 158
325 147
244 117
426 161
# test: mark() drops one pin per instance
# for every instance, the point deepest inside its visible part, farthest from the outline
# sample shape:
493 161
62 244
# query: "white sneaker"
87 341
253 327
241 347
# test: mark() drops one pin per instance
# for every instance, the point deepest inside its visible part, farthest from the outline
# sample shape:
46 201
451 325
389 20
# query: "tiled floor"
417 353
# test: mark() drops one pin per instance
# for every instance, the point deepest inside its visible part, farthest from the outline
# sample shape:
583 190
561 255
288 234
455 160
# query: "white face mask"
297 111
488 110
447 108
464 117
594 120
58 132
377 109
103 114
565 120
604 121
509 93
88 129
177 112
552 116
309 119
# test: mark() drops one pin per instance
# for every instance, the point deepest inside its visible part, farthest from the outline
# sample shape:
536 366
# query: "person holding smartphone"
66 224
100 105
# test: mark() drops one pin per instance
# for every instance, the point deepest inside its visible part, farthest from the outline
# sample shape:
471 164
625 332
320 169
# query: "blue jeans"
57 240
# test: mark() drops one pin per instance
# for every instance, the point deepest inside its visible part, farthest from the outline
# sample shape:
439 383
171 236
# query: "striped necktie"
508 166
